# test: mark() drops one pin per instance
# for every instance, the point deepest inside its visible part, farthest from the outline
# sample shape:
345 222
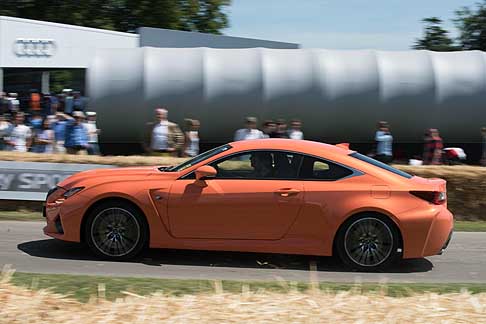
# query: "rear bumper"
440 233
446 244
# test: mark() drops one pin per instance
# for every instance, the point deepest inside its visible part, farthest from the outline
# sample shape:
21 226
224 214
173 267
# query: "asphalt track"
23 246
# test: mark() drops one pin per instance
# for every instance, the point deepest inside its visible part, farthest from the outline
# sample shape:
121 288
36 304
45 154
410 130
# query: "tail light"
434 197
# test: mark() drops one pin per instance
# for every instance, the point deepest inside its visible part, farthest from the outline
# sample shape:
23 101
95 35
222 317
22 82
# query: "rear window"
381 165
315 169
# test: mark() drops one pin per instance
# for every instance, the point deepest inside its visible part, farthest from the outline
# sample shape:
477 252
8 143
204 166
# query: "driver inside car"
261 162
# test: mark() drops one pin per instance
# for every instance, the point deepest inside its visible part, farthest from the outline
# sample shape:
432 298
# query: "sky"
340 24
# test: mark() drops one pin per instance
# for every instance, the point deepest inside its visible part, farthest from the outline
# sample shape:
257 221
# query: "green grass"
459 226
470 226
81 287
21 215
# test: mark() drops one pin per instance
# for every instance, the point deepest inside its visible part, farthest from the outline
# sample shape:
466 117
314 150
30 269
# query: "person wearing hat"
69 103
250 131
93 131
76 135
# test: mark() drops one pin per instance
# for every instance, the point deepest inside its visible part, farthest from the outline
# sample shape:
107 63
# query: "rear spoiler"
343 146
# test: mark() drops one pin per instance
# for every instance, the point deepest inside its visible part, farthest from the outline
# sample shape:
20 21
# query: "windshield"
195 160
380 164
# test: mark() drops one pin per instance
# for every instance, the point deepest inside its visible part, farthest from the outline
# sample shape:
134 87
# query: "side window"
259 165
315 169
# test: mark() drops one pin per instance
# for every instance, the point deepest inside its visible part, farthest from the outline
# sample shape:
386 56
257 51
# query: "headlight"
72 191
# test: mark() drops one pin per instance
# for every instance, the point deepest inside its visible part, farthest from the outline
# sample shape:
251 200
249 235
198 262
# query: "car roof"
330 152
309 147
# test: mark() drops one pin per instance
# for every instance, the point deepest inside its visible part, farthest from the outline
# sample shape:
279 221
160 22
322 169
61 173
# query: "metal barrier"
31 180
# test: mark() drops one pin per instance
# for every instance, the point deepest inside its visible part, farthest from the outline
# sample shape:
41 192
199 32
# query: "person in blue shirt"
59 127
384 142
69 103
79 102
76 134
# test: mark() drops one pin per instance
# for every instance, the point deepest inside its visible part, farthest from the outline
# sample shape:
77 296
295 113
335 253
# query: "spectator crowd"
49 124
61 124
166 138
434 152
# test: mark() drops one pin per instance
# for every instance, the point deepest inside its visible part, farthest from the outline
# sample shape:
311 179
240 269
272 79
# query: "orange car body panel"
254 215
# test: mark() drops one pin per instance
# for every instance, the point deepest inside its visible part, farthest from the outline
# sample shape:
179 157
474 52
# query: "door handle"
286 192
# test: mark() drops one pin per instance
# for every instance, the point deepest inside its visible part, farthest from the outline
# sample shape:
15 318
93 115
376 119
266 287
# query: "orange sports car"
273 195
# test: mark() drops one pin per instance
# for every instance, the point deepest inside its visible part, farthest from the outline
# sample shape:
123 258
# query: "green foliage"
125 15
435 38
472 27
471 24
72 78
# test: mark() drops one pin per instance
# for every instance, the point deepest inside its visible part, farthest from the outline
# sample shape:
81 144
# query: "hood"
112 174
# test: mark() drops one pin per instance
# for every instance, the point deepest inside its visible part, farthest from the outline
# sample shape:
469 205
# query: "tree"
435 38
472 27
125 15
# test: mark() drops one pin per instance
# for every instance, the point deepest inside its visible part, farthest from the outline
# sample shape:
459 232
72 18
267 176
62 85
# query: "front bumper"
53 226
62 218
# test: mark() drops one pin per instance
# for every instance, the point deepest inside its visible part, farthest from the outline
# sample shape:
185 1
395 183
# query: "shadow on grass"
55 249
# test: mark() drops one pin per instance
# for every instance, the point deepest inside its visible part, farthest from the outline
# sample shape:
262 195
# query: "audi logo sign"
34 47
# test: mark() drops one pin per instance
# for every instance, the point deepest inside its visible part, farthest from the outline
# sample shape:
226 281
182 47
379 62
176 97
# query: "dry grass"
21 305
134 160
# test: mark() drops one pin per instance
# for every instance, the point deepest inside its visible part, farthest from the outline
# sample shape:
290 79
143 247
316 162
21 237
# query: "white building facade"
30 49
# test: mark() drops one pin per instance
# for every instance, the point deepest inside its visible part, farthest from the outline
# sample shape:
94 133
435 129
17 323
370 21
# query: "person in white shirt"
13 102
5 129
191 143
295 131
20 138
93 131
250 132
384 143
163 137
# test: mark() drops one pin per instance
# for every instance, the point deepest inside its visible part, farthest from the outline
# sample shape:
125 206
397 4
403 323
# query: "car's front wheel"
116 230
369 242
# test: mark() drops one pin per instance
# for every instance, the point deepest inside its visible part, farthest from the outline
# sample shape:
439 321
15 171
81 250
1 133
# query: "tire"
368 242
116 230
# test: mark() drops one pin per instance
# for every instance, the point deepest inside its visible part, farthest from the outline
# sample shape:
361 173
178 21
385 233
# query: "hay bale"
466 187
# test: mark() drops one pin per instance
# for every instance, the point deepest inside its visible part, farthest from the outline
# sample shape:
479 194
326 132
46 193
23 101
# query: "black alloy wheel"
116 231
368 243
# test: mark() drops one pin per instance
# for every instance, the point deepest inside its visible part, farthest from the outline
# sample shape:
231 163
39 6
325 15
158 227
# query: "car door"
255 195
326 191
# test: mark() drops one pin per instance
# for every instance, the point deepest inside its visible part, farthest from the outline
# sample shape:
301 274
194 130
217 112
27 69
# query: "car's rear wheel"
368 243
116 230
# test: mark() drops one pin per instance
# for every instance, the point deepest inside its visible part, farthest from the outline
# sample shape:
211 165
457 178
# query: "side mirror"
205 171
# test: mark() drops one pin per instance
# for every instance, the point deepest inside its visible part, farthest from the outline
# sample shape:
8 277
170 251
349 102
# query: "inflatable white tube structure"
339 95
